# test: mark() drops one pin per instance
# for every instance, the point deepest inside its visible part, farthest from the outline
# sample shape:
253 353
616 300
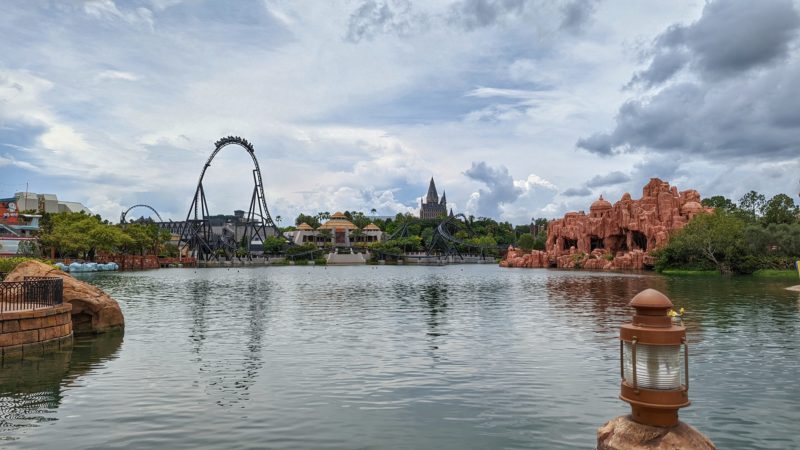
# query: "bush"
709 241
9 264
526 242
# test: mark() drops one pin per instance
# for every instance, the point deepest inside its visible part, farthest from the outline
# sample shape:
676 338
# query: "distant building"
341 232
46 203
432 207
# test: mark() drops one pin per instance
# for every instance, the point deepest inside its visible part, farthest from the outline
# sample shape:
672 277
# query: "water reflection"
433 296
31 390
228 371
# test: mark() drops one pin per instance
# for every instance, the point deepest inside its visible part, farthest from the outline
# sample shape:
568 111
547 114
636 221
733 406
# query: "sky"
517 108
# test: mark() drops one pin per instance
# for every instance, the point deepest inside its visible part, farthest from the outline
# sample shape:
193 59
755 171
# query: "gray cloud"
731 36
500 184
576 14
472 14
730 110
375 17
582 191
609 179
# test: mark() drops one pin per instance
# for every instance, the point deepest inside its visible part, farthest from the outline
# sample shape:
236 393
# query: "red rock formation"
615 236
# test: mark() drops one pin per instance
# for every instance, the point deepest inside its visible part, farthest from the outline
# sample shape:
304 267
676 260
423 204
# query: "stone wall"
36 331
618 236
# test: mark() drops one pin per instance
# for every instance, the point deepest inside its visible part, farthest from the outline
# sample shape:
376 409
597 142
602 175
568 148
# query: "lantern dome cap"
650 299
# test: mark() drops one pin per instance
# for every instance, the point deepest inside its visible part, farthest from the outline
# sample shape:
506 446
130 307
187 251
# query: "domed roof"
372 227
304 227
338 215
600 205
692 207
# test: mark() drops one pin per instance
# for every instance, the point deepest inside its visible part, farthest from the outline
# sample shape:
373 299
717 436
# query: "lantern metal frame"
652 326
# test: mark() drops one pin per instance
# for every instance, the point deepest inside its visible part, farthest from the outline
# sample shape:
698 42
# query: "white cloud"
116 75
125 102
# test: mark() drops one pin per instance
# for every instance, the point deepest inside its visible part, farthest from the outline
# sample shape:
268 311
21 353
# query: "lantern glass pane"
658 366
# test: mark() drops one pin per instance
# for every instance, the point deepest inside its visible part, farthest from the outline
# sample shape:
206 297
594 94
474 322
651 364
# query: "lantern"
650 362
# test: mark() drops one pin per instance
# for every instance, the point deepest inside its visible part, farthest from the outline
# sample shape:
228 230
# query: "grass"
772 273
689 272
763 273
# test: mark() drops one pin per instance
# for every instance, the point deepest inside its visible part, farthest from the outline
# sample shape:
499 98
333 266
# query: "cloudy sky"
518 108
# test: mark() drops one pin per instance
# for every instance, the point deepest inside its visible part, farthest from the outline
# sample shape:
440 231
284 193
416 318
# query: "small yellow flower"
673 313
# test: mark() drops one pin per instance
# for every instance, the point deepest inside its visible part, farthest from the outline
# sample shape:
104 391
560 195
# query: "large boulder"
93 311
623 433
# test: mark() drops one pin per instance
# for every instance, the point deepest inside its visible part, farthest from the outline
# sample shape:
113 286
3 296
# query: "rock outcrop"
618 236
622 433
93 311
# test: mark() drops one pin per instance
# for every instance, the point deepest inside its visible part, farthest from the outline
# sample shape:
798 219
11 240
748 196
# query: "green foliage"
719 202
778 239
28 249
526 242
779 209
773 273
9 264
752 204
709 241
82 235
273 244
169 250
304 252
311 220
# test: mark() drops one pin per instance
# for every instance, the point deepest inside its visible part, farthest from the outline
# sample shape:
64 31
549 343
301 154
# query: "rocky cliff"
618 236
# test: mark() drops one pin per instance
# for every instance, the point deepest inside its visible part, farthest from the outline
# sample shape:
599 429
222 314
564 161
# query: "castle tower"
432 207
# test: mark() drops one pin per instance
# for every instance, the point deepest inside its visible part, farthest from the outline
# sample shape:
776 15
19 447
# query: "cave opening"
569 243
595 242
640 240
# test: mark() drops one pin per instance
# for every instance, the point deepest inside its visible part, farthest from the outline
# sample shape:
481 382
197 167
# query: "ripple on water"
396 357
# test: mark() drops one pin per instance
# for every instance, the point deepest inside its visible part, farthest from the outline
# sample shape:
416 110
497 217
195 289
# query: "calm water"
398 357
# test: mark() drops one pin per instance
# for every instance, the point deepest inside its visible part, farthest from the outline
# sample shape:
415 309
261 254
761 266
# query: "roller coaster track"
125 213
197 232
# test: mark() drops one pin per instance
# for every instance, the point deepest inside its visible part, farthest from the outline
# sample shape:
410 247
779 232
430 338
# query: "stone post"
622 433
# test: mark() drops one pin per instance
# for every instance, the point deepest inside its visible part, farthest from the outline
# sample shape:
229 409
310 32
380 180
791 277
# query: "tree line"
755 233
481 232
81 235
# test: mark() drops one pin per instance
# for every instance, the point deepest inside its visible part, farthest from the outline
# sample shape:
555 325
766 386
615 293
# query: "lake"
446 357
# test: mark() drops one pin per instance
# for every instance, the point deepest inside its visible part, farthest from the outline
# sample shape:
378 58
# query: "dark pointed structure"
431 207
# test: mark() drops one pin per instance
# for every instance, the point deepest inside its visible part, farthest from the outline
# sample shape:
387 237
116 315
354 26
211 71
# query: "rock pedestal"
622 433
93 311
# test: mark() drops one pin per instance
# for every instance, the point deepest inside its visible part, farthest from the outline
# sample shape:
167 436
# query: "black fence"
31 293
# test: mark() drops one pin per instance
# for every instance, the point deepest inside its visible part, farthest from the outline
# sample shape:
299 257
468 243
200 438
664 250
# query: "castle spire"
444 198
432 196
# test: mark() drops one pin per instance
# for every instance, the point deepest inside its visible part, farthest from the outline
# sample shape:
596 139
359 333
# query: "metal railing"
31 293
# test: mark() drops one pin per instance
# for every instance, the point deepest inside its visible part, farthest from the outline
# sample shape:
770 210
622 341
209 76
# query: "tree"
753 203
273 244
325 235
779 209
709 241
313 221
526 242
719 202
